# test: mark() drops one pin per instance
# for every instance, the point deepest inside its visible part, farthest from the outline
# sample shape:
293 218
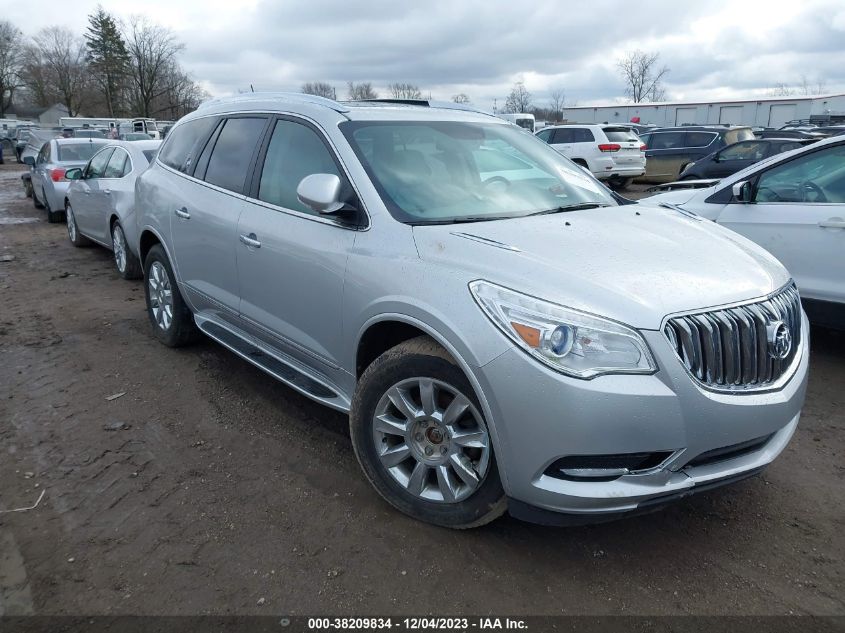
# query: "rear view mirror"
29 160
320 192
742 191
73 174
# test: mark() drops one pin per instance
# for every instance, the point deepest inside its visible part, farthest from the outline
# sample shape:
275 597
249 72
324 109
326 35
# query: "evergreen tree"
108 58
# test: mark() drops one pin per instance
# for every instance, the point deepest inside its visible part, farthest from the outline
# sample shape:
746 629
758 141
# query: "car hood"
633 263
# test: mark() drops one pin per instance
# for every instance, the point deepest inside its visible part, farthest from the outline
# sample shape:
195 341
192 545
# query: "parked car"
19 140
793 205
48 169
610 152
794 134
732 158
136 136
100 202
670 150
539 345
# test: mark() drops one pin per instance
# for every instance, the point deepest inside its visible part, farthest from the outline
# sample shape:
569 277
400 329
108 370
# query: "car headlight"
572 342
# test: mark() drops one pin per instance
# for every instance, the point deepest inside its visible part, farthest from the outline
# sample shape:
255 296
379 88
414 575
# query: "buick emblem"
779 338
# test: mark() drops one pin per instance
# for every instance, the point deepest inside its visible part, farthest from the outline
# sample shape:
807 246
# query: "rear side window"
562 135
545 135
180 147
233 151
295 151
702 139
666 140
621 135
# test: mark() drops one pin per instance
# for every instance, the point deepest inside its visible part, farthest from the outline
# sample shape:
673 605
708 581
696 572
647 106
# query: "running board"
284 370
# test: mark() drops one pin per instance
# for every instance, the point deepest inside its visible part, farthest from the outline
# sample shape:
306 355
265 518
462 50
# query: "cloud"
481 47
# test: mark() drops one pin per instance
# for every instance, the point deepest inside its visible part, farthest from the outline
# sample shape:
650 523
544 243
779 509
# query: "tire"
27 188
621 183
53 217
175 326
457 504
76 238
128 266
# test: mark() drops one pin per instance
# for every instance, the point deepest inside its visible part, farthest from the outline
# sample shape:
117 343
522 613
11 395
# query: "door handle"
87 192
832 223
107 192
250 240
183 213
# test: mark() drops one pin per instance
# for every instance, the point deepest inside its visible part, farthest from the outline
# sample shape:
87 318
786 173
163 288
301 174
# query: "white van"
522 119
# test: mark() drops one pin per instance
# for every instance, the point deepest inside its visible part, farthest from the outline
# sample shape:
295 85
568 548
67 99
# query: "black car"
772 133
670 149
732 158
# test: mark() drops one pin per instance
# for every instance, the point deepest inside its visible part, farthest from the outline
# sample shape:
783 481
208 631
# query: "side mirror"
73 174
29 160
320 192
742 191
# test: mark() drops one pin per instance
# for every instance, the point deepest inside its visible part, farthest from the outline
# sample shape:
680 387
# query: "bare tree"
461 98
557 101
180 94
11 61
152 51
519 100
642 76
320 89
809 87
59 68
361 91
405 91
780 89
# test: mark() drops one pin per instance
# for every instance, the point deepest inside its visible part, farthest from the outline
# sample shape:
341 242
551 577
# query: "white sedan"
793 205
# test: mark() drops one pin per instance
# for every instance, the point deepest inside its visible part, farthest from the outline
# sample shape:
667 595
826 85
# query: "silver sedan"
49 169
100 204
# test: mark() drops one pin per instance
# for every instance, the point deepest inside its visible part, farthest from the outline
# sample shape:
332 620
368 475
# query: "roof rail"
290 97
429 103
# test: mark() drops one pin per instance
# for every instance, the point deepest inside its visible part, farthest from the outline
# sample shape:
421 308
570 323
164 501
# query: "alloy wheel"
71 224
431 439
119 246
161 295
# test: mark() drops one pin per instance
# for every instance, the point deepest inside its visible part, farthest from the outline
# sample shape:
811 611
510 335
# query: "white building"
764 112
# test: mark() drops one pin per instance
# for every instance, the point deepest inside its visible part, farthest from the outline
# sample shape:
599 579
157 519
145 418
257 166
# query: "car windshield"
447 171
77 152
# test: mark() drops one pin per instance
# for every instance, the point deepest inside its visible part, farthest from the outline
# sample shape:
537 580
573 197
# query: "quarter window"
748 150
295 151
233 151
666 140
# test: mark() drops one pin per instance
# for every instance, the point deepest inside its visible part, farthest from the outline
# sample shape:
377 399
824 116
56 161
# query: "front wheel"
128 266
421 439
172 321
76 238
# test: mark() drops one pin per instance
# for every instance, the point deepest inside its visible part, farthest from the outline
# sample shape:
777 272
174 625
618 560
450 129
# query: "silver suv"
504 332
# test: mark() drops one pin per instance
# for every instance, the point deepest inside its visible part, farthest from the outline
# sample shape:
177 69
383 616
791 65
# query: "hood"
680 196
633 263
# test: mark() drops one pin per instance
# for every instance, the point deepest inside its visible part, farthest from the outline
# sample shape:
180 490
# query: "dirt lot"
209 488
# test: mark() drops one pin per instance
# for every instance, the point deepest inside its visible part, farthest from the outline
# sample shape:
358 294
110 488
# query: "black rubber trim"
532 514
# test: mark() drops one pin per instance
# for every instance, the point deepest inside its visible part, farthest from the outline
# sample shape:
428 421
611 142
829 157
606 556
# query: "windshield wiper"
571 207
464 219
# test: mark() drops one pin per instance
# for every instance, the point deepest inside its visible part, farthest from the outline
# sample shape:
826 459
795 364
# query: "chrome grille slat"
729 349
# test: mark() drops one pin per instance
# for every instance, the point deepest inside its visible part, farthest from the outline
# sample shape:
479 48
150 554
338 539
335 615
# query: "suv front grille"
746 347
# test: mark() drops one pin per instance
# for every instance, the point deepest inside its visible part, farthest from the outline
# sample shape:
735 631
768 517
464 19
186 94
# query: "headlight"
572 342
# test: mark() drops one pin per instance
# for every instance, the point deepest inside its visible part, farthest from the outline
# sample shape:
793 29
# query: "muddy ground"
210 488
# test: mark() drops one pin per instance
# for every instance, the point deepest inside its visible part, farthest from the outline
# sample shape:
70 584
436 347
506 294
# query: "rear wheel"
421 439
172 321
128 266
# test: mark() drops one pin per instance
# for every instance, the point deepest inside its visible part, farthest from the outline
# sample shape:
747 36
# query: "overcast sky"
714 49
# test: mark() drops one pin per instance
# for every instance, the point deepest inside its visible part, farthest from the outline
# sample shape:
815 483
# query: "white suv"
610 152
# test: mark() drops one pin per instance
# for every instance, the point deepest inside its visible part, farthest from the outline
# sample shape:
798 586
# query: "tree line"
114 69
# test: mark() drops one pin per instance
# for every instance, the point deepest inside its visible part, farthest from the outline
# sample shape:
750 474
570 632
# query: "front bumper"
540 416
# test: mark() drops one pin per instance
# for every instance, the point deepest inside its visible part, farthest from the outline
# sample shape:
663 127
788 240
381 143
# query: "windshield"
77 152
441 171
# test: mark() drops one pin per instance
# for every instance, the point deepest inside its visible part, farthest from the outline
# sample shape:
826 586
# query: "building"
46 117
764 112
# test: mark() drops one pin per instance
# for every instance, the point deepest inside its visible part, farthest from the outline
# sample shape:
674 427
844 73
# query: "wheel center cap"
434 435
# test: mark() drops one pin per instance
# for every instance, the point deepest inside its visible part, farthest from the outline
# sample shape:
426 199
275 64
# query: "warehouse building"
763 112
